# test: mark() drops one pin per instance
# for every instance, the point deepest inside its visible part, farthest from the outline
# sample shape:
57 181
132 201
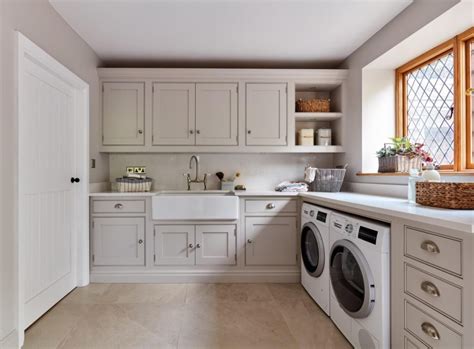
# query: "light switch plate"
136 169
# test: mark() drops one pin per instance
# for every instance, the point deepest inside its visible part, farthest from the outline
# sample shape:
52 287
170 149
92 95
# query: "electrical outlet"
136 169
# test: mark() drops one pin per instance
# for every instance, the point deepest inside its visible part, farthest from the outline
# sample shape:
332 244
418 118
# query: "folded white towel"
309 174
292 187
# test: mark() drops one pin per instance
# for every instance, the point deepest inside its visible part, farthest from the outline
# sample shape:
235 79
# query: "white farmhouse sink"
195 205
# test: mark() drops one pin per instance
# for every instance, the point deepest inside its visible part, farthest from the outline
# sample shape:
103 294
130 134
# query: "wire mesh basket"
328 179
126 185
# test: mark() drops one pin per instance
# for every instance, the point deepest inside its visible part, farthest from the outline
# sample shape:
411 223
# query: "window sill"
401 174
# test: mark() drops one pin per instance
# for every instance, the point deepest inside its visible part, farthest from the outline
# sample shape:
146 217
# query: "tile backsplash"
258 171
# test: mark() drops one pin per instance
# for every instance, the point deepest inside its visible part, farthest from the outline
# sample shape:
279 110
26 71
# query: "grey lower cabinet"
271 240
195 244
118 241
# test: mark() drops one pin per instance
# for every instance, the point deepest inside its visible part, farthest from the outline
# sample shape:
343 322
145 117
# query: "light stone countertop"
462 220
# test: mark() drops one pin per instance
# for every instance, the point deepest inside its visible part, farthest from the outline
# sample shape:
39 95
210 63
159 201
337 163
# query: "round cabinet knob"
75 180
118 206
198 246
140 241
249 241
249 131
140 131
271 206
198 132
190 245
191 132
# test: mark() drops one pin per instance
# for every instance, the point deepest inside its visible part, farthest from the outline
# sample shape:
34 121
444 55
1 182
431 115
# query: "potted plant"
401 155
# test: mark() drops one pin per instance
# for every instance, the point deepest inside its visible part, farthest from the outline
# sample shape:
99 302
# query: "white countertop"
242 193
462 220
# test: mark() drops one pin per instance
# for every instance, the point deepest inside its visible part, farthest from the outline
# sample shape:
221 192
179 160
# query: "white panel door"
118 241
216 114
266 114
174 114
216 244
174 244
123 113
49 205
270 240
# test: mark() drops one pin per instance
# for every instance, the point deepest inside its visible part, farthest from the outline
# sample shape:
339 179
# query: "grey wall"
258 171
37 20
406 23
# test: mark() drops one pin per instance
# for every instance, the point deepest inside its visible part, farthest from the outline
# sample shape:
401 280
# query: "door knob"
140 131
191 132
75 180
249 241
198 132
190 245
249 132
198 246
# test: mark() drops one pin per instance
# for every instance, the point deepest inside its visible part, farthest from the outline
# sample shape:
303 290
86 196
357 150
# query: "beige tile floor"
186 316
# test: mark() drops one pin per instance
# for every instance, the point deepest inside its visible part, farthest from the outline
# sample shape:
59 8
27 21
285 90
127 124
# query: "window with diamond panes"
430 108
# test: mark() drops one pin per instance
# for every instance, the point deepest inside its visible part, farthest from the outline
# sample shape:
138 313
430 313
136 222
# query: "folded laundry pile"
292 187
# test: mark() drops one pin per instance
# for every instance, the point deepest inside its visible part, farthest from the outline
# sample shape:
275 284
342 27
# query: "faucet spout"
196 160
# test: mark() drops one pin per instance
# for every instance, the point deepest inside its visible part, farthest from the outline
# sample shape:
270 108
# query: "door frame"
29 51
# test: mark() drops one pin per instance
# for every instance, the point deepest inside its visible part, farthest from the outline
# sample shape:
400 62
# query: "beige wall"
406 23
37 20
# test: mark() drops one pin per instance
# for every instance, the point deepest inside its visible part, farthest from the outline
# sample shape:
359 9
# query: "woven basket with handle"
459 196
313 105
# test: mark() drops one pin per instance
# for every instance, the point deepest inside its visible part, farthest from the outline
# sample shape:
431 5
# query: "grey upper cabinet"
216 114
123 113
173 114
266 114
118 241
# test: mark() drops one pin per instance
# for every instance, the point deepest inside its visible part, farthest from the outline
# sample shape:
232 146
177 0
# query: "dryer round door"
351 279
312 249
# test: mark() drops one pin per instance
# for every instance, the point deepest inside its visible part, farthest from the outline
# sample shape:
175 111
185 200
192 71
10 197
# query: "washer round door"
312 249
351 279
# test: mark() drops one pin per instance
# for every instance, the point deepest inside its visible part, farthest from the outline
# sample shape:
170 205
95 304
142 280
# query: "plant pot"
399 163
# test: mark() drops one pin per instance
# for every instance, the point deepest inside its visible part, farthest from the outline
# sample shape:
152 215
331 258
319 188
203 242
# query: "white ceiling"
231 33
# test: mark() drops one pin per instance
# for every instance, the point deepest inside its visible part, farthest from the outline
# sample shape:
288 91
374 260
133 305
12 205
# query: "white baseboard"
195 277
10 341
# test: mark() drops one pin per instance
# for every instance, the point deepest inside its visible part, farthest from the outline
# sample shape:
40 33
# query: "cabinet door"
118 241
216 114
270 240
173 114
215 244
266 114
174 245
123 113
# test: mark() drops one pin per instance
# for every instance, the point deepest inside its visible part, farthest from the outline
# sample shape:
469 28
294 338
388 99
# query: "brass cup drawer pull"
271 206
430 330
118 206
430 246
430 288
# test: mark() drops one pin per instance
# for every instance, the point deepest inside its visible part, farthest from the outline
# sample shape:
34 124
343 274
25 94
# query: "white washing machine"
315 253
359 269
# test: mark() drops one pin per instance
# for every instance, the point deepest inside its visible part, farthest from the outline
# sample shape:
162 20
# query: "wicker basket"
399 163
458 196
328 179
127 185
313 105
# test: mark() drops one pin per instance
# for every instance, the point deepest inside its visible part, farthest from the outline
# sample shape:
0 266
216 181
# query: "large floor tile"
227 292
146 293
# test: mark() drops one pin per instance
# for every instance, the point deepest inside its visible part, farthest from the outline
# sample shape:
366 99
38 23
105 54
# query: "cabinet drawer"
441 252
118 206
436 293
411 343
429 330
270 206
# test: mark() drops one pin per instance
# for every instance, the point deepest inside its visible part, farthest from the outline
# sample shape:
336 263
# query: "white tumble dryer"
359 271
315 253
